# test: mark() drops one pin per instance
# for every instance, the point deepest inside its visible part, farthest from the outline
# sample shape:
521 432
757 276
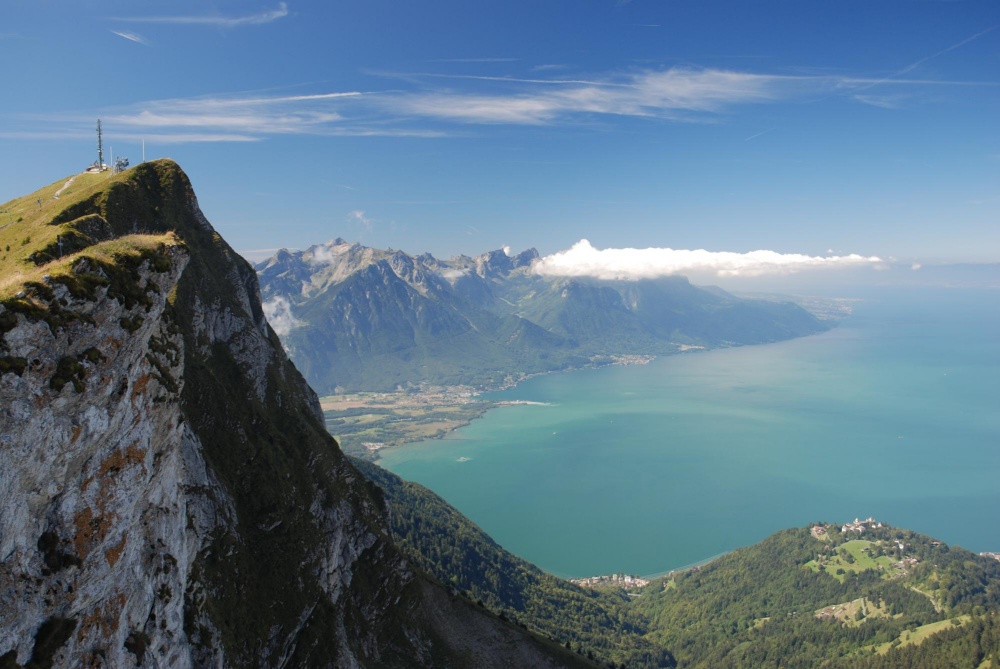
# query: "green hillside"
32 228
794 600
884 597
447 545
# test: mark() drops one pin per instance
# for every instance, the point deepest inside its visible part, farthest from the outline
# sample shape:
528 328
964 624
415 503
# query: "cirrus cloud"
213 20
132 37
583 260
675 93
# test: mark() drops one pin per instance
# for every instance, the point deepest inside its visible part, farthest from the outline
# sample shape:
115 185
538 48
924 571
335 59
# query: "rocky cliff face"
169 496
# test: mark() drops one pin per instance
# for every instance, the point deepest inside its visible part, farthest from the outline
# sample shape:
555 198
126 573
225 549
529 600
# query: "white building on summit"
859 526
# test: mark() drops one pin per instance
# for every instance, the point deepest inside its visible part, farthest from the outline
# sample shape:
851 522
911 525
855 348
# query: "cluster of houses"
627 581
859 526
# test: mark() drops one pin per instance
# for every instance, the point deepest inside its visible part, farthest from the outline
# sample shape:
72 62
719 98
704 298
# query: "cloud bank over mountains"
583 260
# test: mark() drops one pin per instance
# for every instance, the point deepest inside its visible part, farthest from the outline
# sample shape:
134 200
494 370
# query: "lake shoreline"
393 423
443 409
643 470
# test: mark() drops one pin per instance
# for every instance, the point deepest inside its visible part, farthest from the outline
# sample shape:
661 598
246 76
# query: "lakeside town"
624 581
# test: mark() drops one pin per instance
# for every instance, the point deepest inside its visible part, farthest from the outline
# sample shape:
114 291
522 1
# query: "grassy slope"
28 231
861 559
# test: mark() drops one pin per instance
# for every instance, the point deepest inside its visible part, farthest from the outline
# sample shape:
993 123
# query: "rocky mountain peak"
169 494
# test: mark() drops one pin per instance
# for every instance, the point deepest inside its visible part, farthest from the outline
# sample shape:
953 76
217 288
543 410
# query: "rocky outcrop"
169 495
99 474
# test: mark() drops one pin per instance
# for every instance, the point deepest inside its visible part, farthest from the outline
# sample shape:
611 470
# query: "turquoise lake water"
895 414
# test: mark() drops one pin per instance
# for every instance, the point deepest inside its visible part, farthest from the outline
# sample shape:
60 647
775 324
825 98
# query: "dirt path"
64 187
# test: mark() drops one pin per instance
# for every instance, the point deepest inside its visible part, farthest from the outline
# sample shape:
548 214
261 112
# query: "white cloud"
183 137
757 134
892 78
476 108
227 119
133 37
159 138
583 260
220 21
881 101
261 116
429 110
358 216
474 60
324 254
278 312
671 93
319 255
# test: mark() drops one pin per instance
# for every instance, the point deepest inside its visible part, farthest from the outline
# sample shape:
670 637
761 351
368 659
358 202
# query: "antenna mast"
100 148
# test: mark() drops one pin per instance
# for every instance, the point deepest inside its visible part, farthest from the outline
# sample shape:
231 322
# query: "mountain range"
359 318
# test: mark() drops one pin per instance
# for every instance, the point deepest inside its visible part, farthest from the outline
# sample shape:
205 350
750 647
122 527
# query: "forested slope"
447 545
795 600
873 596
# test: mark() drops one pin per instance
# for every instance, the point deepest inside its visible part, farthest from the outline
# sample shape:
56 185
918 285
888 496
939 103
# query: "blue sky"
870 128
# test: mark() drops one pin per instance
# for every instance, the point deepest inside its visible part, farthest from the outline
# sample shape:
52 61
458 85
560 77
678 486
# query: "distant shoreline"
610 578
471 399
456 407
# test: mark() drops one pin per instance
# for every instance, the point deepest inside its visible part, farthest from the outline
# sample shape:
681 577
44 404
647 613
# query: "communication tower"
100 147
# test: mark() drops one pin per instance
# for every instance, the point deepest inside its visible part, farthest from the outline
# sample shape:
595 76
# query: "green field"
365 423
854 612
856 556
917 635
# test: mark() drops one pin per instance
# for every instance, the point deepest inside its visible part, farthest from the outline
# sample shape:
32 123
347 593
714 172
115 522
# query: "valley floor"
364 423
